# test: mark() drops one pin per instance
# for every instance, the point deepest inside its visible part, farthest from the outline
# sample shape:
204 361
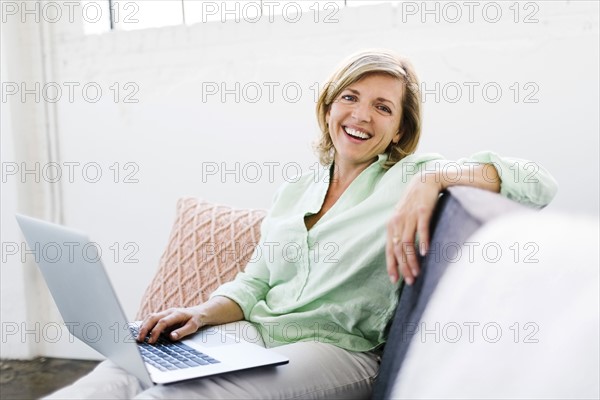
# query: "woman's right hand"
177 322
181 322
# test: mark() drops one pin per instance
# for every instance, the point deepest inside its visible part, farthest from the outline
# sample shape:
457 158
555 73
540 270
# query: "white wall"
25 126
171 134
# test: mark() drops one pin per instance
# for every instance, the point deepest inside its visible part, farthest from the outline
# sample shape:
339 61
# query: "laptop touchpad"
212 336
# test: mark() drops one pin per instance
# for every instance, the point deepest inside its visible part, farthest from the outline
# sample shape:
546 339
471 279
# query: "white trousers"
315 371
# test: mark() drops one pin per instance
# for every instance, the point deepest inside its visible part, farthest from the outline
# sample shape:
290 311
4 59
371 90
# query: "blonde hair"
355 68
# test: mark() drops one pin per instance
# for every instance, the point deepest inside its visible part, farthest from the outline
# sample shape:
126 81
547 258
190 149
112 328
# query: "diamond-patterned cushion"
209 244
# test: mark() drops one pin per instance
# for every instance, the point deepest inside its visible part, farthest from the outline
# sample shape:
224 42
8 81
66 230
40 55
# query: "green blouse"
330 284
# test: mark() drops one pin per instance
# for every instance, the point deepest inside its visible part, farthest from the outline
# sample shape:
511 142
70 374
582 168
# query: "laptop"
88 304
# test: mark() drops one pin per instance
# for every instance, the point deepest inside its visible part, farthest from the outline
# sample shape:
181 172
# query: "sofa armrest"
459 213
519 322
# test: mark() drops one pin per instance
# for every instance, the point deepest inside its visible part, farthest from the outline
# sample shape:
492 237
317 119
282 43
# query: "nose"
361 112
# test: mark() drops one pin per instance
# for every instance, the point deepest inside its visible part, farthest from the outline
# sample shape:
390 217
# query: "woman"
326 306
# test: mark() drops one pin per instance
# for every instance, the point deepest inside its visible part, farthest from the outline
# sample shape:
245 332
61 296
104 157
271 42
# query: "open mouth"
356 134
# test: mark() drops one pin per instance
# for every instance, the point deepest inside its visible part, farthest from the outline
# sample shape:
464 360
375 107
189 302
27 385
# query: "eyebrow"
354 91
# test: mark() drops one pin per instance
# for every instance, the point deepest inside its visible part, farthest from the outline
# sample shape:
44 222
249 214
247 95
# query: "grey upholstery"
459 213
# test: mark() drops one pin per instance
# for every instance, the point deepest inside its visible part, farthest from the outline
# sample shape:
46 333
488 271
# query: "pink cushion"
208 246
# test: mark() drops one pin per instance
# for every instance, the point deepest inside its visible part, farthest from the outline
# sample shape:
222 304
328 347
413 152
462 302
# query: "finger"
402 263
409 253
392 265
141 332
158 328
404 269
174 318
190 327
408 246
148 324
423 230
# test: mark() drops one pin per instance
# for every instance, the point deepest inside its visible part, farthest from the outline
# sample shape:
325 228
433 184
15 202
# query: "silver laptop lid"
74 273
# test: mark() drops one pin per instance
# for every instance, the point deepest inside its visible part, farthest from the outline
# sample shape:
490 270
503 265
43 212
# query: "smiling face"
364 119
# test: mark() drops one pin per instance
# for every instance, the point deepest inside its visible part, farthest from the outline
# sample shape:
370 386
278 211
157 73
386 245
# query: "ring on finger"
396 240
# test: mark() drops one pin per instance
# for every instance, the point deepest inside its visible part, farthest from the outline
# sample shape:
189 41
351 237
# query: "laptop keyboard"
166 355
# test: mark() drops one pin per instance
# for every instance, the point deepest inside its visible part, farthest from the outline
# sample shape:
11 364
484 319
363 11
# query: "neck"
344 174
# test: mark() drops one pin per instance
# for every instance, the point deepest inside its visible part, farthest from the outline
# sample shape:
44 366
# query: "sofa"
506 304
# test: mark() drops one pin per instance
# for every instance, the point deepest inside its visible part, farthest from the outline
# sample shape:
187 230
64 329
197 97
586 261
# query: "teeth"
358 134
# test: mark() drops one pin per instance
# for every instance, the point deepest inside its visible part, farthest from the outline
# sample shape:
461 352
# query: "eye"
385 109
348 97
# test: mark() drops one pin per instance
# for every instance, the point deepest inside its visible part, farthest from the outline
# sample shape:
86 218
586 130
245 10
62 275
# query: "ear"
396 137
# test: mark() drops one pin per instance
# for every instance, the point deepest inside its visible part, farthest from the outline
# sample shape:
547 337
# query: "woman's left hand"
413 214
411 218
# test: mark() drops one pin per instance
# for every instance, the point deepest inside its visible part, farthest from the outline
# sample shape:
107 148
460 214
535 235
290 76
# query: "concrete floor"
38 377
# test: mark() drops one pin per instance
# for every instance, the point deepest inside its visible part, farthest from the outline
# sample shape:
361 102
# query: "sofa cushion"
518 322
459 212
209 244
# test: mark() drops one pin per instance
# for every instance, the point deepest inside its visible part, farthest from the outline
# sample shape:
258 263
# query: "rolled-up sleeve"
524 181
248 287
